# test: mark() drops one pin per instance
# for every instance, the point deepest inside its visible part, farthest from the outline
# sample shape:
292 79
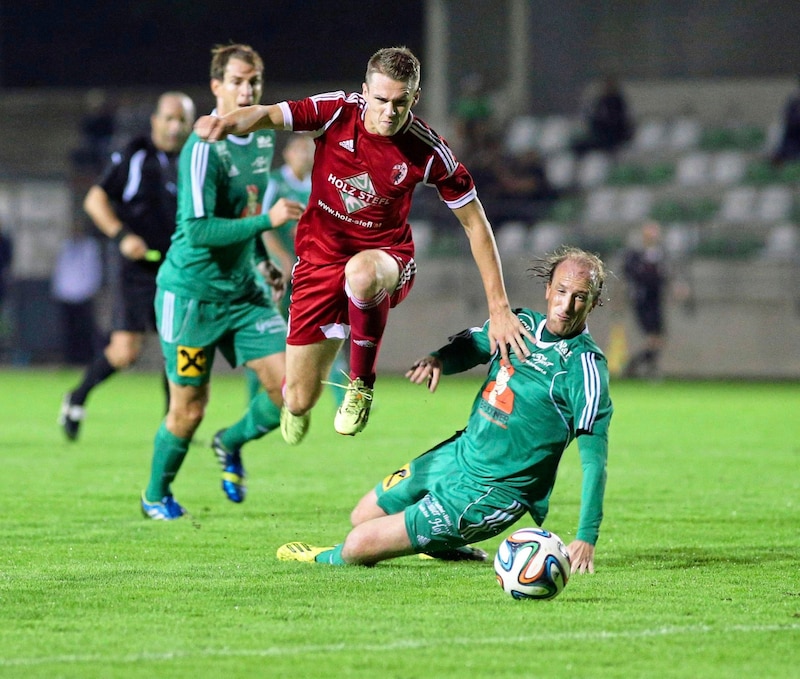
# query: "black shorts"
650 318
134 293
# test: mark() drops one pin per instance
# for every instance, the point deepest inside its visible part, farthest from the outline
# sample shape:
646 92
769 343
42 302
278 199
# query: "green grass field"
698 564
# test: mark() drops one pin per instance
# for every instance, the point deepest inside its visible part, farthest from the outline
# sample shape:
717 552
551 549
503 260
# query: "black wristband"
117 238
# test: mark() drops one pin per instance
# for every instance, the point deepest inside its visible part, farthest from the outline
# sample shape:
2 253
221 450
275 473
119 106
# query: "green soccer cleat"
353 414
299 551
294 427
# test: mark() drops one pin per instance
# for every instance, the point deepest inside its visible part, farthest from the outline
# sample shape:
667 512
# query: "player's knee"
357 548
362 277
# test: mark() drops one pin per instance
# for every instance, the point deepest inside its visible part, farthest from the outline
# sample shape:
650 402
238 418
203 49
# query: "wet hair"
222 54
546 266
397 63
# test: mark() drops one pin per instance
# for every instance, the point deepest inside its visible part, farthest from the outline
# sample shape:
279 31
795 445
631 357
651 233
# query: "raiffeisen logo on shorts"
357 192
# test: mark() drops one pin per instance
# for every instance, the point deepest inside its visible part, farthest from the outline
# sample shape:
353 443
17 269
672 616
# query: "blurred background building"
517 87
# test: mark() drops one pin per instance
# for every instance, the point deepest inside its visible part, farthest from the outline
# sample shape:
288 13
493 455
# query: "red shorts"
319 310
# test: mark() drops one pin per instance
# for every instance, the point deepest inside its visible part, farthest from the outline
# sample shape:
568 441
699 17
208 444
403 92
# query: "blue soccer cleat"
166 510
232 469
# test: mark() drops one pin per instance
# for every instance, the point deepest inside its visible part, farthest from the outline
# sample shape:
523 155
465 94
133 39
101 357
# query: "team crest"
399 173
192 361
393 479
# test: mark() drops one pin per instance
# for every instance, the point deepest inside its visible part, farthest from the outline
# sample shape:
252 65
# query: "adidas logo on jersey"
347 144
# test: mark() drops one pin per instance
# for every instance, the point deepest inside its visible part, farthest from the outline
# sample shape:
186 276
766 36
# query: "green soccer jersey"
219 213
283 184
528 412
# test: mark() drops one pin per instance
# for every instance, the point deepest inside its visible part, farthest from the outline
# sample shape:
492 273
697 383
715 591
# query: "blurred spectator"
513 187
473 117
97 130
608 123
6 256
788 148
647 274
77 277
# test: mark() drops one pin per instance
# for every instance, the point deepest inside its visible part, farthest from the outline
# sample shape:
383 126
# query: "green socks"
168 454
261 417
332 556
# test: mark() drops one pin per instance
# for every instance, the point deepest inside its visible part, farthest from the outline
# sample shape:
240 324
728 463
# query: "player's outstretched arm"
426 370
241 121
505 329
581 556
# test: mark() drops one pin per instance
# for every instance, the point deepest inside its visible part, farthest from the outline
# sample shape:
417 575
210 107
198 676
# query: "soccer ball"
532 563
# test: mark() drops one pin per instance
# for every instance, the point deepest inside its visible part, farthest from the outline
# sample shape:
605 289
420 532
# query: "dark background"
64 43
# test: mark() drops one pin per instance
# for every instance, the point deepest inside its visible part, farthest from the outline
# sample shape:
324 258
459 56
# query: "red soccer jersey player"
354 245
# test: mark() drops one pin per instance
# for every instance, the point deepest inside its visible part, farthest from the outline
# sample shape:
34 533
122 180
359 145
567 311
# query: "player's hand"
285 210
426 370
506 330
211 128
581 556
274 277
133 247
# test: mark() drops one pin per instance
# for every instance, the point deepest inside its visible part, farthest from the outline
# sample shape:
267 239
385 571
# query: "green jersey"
528 412
219 213
284 184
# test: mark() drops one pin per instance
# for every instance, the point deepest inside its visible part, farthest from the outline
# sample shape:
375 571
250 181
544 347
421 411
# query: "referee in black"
134 203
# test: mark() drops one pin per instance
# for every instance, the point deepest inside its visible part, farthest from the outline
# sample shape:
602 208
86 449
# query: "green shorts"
192 330
445 507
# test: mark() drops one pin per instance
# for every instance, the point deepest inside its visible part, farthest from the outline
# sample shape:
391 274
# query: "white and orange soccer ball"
532 563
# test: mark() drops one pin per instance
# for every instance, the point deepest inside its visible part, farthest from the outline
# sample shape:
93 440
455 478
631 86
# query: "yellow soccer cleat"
299 551
293 427
353 414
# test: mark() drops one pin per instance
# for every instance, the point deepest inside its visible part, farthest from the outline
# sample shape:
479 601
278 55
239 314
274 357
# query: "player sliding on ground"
482 480
354 244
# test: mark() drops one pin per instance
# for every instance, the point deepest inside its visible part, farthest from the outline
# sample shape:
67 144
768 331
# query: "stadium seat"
522 134
634 203
738 204
774 203
684 133
601 205
512 238
728 167
694 169
593 169
560 169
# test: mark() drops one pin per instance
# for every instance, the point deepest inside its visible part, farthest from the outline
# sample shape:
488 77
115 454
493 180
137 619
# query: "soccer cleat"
70 417
166 510
299 551
353 414
293 427
465 553
232 469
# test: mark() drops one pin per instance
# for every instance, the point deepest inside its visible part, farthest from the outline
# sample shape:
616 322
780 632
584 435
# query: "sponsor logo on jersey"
347 145
399 173
357 192
264 142
563 348
260 165
192 361
539 362
396 477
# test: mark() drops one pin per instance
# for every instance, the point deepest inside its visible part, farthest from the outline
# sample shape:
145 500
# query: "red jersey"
362 183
